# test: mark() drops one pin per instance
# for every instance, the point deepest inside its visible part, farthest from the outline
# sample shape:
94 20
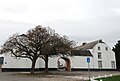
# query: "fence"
105 76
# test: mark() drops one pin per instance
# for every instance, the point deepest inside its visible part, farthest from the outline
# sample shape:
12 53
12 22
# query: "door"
68 65
100 64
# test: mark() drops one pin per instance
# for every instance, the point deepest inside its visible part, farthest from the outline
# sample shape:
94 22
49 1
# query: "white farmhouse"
100 54
103 56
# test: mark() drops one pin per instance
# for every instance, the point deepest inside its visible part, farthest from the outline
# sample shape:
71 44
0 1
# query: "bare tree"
40 42
58 46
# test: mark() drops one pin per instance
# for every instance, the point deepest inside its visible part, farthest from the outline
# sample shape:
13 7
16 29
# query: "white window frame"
100 66
99 55
113 64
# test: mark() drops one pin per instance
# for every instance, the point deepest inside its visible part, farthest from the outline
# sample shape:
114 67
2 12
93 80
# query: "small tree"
116 49
38 42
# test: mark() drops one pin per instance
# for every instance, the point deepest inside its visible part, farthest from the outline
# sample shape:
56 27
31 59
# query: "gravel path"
53 76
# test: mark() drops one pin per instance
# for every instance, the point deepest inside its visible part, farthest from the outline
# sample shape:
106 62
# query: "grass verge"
113 78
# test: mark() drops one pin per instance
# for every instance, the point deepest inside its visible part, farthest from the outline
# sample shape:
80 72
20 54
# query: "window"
1 60
98 48
99 64
106 48
113 64
5 62
99 55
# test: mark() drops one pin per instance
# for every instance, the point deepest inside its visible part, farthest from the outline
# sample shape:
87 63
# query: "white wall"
107 56
81 62
52 63
12 62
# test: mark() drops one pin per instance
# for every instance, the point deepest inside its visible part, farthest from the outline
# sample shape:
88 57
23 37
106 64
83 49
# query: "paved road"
12 77
8 76
56 76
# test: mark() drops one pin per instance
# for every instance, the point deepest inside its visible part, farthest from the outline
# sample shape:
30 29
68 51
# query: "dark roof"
89 45
81 53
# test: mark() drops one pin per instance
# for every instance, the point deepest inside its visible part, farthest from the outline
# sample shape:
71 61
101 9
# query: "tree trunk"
46 64
33 66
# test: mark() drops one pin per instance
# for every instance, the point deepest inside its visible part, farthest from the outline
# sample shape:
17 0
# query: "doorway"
64 63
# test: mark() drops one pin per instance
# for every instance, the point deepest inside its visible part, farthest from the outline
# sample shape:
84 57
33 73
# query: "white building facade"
100 54
103 56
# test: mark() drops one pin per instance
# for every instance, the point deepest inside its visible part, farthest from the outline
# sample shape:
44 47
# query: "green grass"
114 78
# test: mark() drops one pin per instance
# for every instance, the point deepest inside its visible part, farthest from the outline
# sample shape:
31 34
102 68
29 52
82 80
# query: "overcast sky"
80 20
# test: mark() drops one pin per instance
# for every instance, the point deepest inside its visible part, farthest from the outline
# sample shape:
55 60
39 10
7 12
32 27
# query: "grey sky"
80 20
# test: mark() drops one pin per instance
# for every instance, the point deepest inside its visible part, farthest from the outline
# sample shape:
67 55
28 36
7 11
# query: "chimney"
84 43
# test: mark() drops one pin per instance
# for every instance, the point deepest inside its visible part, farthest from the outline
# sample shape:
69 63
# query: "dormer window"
99 48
